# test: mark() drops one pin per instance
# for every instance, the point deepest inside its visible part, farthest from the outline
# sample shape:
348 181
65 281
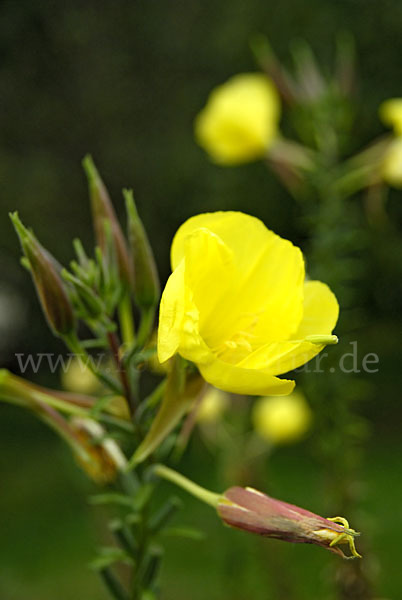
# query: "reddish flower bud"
49 285
102 210
253 511
146 283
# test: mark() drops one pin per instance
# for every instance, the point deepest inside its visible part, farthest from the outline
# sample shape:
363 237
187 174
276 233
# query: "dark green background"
124 80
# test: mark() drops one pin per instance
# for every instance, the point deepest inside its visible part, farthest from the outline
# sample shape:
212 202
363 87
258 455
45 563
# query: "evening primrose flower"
238 307
282 419
240 120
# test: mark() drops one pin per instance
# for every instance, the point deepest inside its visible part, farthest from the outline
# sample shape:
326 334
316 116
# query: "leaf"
109 556
179 394
112 498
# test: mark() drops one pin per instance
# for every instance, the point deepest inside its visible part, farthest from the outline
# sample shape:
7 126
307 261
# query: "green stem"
113 584
126 319
145 328
186 484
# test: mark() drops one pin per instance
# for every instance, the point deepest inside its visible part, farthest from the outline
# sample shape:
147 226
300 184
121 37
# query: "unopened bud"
99 455
102 210
49 285
146 283
253 511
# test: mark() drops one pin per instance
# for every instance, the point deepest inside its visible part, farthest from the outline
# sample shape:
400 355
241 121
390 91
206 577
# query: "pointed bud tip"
90 169
131 207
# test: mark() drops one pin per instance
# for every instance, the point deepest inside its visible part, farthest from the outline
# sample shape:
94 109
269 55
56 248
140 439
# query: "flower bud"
99 455
146 283
102 210
253 511
49 285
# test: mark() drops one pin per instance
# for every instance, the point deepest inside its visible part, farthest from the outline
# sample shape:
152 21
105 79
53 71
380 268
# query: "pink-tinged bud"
146 283
103 211
253 511
49 285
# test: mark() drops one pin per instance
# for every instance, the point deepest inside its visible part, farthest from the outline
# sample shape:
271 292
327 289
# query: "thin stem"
146 323
114 346
186 484
126 320
113 584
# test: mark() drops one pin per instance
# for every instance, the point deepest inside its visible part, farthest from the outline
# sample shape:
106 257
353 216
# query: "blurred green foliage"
124 80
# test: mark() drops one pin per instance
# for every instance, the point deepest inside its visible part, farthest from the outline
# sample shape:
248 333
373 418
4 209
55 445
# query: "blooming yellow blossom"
240 120
282 419
238 307
391 114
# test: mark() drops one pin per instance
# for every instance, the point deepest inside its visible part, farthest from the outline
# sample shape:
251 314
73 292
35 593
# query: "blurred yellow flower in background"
392 163
79 378
282 419
213 405
240 119
238 307
391 114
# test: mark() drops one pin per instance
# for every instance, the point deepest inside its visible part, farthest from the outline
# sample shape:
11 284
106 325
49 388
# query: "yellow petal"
238 380
171 314
242 233
267 291
281 357
320 311
319 318
209 274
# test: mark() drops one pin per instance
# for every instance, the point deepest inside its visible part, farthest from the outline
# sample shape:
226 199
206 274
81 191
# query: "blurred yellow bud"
391 114
282 419
392 162
240 119
213 405
79 378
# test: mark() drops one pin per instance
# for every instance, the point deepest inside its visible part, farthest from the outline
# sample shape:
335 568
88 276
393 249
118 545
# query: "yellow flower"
213 405
79 378
237 305
391 114
391 167
281 419
240 120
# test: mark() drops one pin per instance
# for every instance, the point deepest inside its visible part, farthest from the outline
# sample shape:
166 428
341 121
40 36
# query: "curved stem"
186 484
